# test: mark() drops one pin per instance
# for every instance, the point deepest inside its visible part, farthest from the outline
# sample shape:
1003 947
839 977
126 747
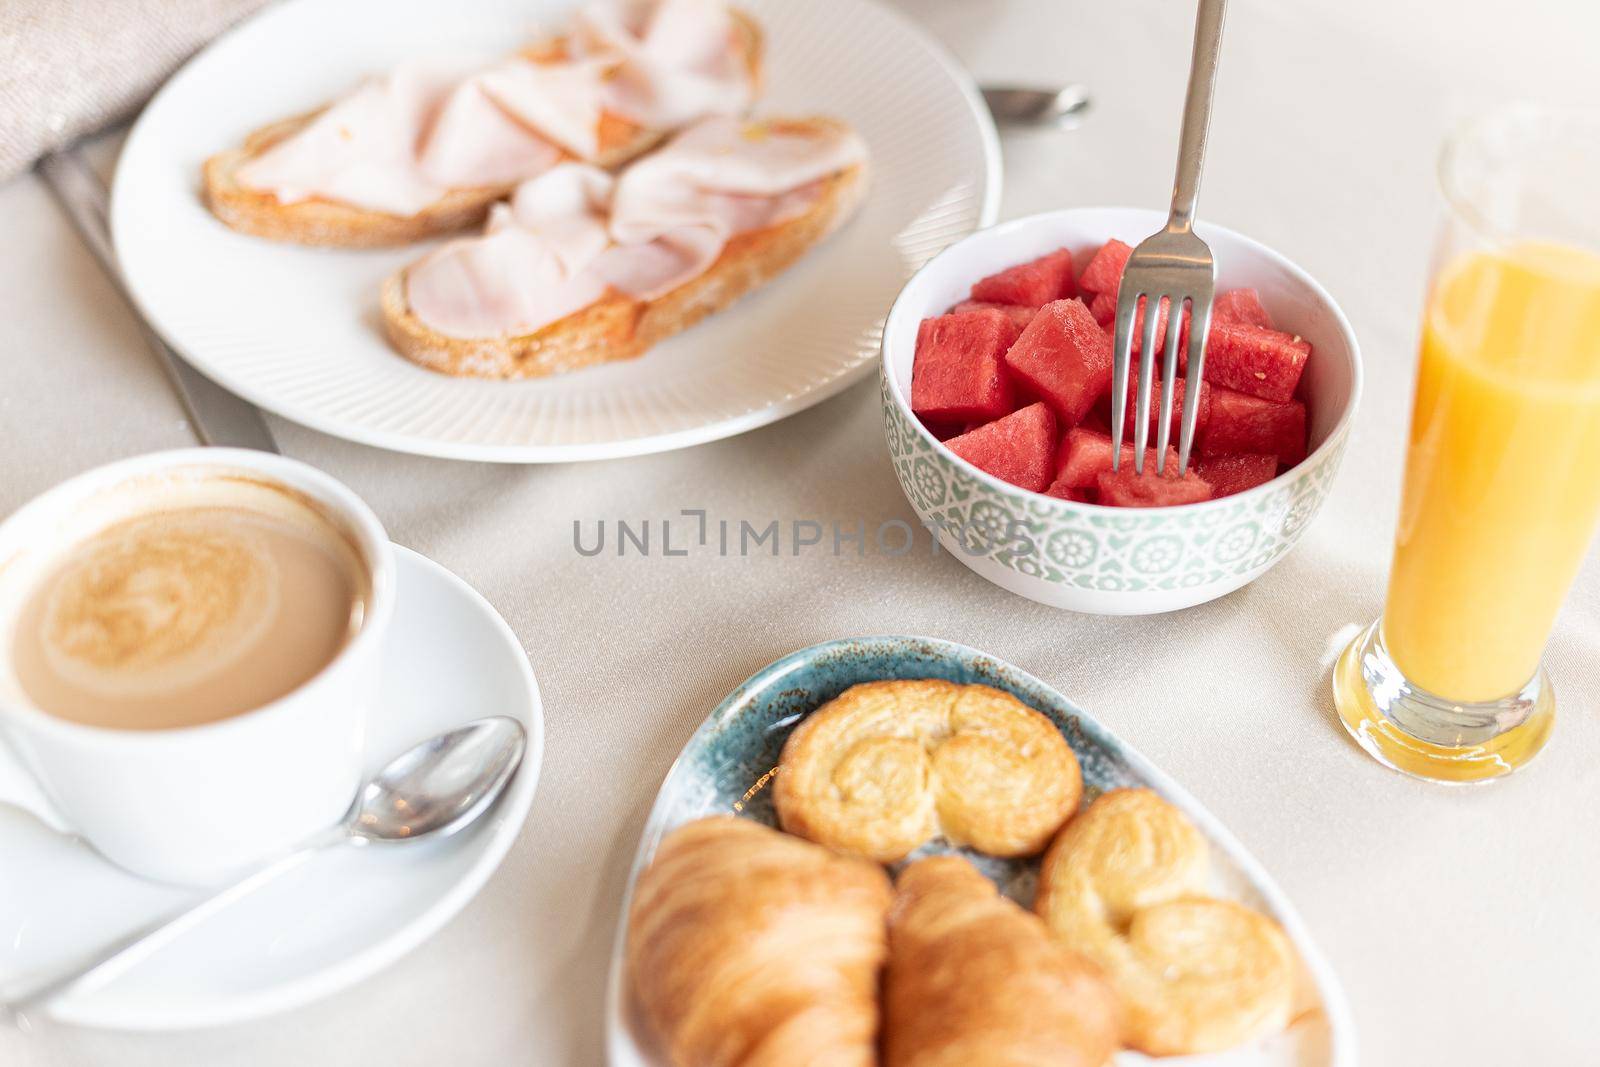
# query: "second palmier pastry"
1126 885
885 766
975 981
750 948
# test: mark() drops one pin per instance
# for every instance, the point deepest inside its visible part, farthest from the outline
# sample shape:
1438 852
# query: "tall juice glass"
1502 478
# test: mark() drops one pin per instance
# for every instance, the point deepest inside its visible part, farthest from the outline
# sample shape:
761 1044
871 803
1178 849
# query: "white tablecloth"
1463 922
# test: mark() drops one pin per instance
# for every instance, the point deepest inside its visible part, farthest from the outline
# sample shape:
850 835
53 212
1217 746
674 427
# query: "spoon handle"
116 958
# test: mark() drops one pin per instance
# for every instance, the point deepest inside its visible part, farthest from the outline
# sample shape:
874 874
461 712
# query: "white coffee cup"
197 803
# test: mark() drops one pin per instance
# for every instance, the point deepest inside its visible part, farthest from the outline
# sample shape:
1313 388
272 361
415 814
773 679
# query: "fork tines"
1179 279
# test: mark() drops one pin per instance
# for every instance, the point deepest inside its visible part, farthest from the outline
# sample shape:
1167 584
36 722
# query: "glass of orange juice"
1502 477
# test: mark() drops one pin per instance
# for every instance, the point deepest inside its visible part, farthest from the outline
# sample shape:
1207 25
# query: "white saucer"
336 919
219 297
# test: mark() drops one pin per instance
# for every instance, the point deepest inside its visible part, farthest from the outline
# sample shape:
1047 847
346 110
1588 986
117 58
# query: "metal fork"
1174 266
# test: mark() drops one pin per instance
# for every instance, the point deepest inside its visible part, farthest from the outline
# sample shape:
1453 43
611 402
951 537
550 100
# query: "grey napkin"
70 67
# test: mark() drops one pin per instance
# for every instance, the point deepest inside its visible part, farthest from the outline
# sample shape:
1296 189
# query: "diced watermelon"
1202 414
1084 454
1015 312
1136 343
1235 474
1067 492
1104 309
1019 448
958 371
1253 359
944 430
1104 272
1244 423
1125 489
1099 417
1064 357
1032 284
1242 306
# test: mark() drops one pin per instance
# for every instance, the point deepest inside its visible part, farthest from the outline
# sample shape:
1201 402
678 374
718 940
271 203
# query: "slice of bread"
617 327
317 221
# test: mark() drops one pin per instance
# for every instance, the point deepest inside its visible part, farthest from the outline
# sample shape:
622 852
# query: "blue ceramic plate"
727 766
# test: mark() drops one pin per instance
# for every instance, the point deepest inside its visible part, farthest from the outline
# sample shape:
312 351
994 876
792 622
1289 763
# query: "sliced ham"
678 60
563 101
530 267
362 148
400 142
574 233
673 212
474 141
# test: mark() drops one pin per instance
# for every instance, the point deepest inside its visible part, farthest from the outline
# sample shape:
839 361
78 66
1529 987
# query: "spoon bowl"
1030 107
440 785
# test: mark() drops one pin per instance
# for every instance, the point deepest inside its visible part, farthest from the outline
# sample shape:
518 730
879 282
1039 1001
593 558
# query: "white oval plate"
329 923
295 330
726 764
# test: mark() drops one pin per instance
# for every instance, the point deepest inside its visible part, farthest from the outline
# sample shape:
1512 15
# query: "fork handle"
1197 112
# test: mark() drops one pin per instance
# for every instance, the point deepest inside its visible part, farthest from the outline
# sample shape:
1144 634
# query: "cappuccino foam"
187 614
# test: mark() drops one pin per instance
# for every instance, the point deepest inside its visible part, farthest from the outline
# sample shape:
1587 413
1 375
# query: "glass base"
1427 736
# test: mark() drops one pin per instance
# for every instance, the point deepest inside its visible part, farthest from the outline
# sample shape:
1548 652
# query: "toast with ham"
335 197
602 274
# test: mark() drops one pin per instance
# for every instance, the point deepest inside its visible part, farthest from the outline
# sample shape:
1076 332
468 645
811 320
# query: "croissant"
1125 884
750 948
975 981
885 766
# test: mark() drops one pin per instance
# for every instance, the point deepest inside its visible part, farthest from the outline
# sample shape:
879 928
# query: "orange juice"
1502 485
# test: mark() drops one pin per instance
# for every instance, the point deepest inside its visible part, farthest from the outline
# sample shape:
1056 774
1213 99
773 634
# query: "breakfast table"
1461 921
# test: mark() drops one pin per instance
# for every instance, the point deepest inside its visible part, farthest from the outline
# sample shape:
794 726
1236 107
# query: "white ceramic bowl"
1117 561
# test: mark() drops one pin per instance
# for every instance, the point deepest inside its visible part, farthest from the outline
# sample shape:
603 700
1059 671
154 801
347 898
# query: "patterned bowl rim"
1330 444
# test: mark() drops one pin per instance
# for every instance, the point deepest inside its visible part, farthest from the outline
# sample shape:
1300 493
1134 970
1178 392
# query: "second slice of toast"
617 327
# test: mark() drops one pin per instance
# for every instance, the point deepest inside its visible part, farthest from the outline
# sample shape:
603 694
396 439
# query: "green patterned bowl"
1116 561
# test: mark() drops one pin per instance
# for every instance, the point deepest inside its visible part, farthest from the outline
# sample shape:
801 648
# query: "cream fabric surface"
68 67
1463 922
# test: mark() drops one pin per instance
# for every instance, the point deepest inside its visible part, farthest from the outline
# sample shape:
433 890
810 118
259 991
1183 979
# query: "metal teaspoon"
431 790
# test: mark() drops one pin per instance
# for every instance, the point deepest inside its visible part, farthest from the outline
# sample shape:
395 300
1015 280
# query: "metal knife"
217 416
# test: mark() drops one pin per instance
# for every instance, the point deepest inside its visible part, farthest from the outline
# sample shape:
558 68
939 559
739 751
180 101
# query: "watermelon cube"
1125 489
1067 492
1084 454
1235 474
1242 306
1136 342
1202 414
1032 284
1019 448
1243 423
1104 309
1015 312
1099 417
1253 359
957 373
1104 272
1064 358
944 430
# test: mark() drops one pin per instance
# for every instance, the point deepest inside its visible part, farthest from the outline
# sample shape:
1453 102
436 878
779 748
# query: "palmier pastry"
750 948
886 766
1125 884
975 981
